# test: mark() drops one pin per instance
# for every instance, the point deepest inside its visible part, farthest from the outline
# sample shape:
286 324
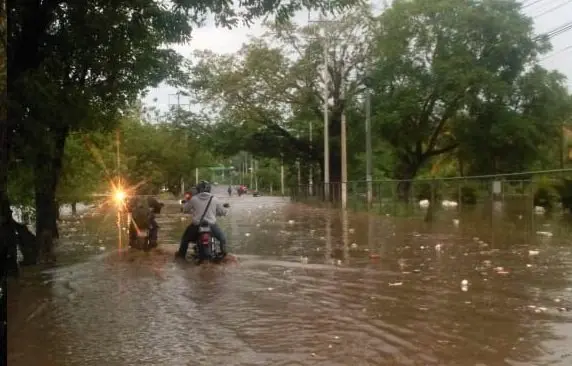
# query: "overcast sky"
547 14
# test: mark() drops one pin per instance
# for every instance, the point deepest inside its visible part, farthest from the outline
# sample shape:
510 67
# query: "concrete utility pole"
298 167
178 104
344 182
251 171
311 172
255 170
282 175
326 97
326 120
368 152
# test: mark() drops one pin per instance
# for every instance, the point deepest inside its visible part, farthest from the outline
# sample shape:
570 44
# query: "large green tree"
435 61
269 92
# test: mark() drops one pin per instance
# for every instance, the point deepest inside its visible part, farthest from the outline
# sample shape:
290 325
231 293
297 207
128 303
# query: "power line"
557 31
553 9
525 5
556 53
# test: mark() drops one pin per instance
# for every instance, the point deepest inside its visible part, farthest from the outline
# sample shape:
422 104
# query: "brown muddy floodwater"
312 287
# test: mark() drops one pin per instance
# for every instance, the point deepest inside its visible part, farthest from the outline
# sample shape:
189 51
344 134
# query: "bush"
564 189
469 194
422 191
546 194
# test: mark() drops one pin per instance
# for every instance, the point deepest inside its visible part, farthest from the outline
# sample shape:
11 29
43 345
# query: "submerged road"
312 287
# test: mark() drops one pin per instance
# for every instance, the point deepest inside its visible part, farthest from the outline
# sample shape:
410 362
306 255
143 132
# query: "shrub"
423 191
546 194
469 194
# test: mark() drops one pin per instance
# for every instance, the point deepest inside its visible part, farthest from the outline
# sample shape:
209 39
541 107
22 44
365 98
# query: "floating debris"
547 234
291 222
247 234
396 284
449 204
354 246
438 246
533 252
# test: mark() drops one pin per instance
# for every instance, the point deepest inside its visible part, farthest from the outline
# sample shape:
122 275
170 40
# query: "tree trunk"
74 208
405 172
47 171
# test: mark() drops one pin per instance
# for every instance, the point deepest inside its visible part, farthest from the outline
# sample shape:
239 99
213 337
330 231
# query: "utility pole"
562 143
282 174
251 171
298 168
178 104
326 121
326 97
344 164
311 172
368 152
256 175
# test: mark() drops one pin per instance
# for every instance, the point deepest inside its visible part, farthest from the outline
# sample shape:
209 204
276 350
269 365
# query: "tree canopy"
446 78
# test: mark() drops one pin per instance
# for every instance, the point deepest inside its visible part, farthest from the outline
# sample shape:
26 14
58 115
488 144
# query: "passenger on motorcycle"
196 206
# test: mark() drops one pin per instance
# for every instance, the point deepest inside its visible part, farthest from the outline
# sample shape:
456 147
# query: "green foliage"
88 164
546 193
161 154
470 192
435 61
267 94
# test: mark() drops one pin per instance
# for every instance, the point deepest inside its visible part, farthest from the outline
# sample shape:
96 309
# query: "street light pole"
326 97
344 162
326 121
368 151
311 173
282 175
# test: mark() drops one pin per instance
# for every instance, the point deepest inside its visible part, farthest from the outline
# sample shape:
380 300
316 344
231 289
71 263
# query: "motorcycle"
207 247
143 238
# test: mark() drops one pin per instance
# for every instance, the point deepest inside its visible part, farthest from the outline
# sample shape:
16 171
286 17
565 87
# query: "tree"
434 62
87 167
519 128
74 65
267 94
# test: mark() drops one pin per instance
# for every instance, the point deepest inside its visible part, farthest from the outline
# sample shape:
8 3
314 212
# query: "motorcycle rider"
197 206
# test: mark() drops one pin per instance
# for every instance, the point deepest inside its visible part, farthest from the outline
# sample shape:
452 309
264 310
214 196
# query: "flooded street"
312 287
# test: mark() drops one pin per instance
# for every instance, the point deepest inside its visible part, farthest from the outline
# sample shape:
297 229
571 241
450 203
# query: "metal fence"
536 190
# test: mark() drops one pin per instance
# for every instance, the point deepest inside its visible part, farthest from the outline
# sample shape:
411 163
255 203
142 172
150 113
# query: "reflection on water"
373 291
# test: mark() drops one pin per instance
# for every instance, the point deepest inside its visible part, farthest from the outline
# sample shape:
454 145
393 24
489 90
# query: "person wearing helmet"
197 206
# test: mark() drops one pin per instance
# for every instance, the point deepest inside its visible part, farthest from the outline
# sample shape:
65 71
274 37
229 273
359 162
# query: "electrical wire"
525 5
557 31
552 9
556 53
